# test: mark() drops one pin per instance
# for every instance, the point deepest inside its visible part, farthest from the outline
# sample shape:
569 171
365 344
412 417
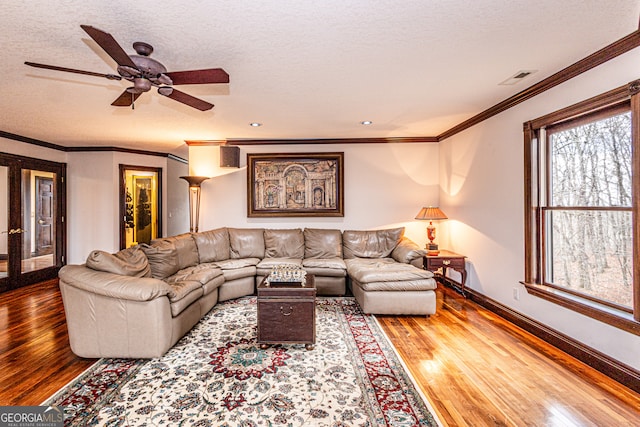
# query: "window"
581 208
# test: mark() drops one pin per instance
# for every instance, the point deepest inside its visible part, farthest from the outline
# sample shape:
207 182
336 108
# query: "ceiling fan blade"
72 70
196 77
109 45
125 99
189 100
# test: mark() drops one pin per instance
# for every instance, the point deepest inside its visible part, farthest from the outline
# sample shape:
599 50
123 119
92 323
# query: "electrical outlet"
516 294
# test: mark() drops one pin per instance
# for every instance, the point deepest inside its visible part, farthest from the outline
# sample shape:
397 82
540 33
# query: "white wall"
177 194
385 186
482 191
29 150
93 203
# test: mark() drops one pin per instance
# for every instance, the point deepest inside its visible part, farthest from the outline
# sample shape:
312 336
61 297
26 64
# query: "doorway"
140 205
32 236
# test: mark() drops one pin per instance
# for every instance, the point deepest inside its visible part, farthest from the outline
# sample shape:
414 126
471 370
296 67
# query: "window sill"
617 318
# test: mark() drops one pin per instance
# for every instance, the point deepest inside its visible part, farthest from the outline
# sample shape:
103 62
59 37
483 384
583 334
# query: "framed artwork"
289 184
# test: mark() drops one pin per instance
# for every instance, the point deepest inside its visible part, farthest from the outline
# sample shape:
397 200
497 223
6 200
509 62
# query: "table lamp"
431 214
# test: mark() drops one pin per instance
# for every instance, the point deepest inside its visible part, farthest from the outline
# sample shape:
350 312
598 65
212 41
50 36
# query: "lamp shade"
194 181
431 213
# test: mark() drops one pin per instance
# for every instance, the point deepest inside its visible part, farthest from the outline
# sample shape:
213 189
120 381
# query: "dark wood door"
44 216
32 231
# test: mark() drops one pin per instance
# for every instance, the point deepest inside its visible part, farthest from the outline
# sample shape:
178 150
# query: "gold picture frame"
295 185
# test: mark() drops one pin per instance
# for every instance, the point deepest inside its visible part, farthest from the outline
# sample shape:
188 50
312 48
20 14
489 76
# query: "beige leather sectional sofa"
139 302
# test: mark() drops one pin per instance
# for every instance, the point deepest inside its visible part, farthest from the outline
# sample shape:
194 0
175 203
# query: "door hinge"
62 219
63 258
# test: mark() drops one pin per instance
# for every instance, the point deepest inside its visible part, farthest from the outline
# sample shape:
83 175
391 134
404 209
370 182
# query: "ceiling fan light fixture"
142 84
163 79
165 90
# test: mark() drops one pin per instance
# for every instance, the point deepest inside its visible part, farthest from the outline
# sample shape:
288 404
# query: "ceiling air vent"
517 77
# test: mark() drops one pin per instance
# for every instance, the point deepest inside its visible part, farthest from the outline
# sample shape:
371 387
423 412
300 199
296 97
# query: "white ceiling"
303 69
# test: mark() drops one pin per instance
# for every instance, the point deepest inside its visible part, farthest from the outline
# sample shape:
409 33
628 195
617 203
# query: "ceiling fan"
145 73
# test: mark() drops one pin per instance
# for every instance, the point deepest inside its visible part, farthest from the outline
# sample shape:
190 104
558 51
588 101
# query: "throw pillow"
128 262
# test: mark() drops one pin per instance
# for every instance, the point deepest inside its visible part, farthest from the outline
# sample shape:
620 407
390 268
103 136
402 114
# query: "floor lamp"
194 200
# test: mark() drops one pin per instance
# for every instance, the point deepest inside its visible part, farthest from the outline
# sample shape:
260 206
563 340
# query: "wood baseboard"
614 369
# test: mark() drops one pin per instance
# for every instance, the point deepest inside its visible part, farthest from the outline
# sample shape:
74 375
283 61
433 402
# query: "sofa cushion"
322 243
265 266
284 243
201 273
384 270
186 249
128 262
163 258
326 272
232 264
398 286
183 295
274 262
407 250
246 242
213 245
181 288
334 263
239 273
370 243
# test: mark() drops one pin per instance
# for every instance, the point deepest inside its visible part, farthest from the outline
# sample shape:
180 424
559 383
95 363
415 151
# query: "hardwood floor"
35 357
476 368
479 370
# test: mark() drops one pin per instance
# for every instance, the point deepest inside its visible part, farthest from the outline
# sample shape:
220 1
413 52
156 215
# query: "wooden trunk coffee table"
287 313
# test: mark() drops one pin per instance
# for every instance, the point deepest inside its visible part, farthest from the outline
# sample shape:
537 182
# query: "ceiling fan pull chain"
133 100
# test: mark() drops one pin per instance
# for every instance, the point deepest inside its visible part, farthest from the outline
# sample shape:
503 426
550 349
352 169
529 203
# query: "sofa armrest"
407 251
113 285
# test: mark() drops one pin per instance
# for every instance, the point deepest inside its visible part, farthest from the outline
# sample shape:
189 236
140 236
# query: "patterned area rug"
217 375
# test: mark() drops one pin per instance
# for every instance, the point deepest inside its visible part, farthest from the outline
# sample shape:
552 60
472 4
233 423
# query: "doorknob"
40 221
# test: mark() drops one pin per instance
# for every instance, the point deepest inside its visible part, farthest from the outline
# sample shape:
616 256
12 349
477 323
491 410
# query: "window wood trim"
621 320
634 91
627 96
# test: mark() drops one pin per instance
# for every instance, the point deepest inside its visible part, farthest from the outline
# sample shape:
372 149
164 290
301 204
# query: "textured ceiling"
303 69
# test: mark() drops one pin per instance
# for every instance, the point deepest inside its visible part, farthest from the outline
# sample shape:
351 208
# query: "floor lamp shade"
194 200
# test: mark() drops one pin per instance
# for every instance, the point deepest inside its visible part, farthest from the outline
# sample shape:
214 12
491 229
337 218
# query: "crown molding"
603 55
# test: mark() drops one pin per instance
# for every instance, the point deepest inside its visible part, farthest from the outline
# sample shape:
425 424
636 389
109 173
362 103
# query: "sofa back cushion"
407 251
185 248
322 243
163 258
213 245
128 262
246 242
284 243
370 243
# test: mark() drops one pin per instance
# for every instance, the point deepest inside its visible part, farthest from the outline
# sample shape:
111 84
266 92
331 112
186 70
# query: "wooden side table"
444 260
